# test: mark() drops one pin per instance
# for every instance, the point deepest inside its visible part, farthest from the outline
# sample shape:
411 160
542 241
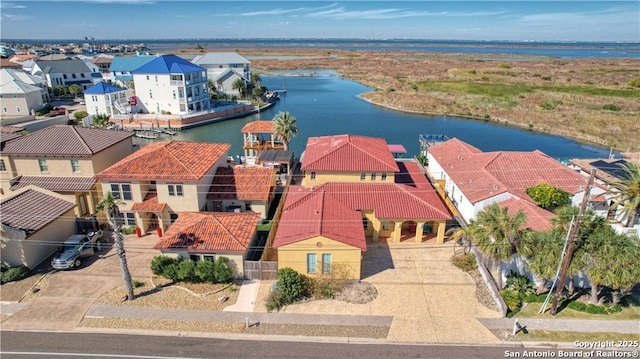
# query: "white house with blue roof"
103 98
170 84
121 67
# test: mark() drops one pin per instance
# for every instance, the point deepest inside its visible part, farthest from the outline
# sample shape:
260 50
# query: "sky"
548 20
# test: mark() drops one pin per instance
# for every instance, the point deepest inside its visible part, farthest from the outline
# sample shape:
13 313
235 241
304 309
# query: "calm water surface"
328 105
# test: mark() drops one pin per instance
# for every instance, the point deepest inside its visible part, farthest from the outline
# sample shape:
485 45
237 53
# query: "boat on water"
146 134
168 131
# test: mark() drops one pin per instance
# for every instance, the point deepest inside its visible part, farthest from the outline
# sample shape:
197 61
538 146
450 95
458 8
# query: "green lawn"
559 337
531 311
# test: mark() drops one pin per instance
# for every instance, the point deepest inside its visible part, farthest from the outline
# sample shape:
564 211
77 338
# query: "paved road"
63 345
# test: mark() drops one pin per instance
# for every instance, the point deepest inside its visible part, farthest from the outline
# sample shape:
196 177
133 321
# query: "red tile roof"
64 140
32 209
243 183
56 184
481 175
538 219
149 204
209 232
168 161
258 127
320 215
348 153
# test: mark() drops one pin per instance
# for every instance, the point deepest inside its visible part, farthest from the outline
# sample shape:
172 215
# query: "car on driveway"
76 247
57 111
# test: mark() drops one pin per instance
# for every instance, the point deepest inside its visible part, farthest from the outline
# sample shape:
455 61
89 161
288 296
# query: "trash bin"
138 232
159 230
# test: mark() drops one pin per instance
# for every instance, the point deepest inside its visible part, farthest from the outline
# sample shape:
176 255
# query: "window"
383 177
82 75
313 175
130 219
386 225
150 94
373 176
64 76
363 176
73 76
75 166
4 109
121 191
175 190
365 223
43 165
312 263
156 78
326 263
147 77
2 166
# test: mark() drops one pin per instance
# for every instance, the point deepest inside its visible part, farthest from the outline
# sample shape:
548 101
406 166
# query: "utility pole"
573 234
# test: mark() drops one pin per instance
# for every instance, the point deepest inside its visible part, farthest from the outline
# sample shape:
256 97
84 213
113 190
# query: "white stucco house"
65 73
21 93
224 68
103 98
170 84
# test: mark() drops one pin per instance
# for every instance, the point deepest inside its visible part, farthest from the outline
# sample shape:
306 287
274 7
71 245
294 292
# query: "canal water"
325 104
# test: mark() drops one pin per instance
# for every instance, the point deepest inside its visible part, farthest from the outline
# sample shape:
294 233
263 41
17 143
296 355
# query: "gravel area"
211 327
320 330
200 296
14 291
482 293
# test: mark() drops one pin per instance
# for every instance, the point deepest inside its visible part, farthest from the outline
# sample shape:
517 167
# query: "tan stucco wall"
345 259
111 155
40 245
328 176
56 166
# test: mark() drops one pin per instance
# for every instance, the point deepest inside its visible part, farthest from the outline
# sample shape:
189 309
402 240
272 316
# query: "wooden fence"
261 270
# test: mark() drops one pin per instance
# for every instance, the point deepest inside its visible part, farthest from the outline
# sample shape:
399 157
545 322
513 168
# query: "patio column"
419 229
91 203
397 232
441 227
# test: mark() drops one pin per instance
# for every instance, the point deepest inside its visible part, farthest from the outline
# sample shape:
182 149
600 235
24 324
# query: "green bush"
275 301
292 284
160 263
466 262
550 105
635 82
78 115
532 298
15 274
520 284
504 66
43 111
187 271
171 272
128 230
205 271
137 283
511 299
611 107
222 271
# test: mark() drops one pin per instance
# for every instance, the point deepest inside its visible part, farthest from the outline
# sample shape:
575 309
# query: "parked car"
75 247
56 111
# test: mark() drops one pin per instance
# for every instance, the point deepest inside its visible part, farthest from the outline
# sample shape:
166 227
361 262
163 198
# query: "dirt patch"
320 330
21 290
357 293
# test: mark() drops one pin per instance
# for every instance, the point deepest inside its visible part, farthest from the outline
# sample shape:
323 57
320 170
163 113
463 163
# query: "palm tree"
626 193
497 234
240 85
284 126
109 205
255 79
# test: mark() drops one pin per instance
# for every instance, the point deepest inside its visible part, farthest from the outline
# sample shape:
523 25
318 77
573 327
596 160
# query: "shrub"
292 285
275 301
504 66
520 284
128 229
611 107
511 299
80 115
187 271
548 196
205 271
137 283
15 274
160 263
532 298
43 111
550 105
466 262
222 271
635 82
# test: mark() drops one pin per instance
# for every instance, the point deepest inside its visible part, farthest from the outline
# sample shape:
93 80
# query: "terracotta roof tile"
348 153
64 140
210 232
258 127
32 209
481 175
320 215
243 183
538 219
56 184
170 161
149 204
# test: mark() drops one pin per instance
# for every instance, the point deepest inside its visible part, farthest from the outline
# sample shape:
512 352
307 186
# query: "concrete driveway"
430 299
65 296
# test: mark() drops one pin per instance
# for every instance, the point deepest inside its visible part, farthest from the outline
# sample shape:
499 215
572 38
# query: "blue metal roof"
128 63
102 88
168 64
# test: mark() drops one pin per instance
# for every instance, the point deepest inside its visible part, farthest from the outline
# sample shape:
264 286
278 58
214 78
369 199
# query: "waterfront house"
242 189
259 136
106 99
21 93
122 67
473 180
28 239
65 73
169 84
63 159
209 235
224 68
163 179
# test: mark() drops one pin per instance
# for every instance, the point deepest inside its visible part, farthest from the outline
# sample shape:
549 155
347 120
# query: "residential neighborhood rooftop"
55 183
32 208
168 64
102 88
243 183
258 127
168 160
